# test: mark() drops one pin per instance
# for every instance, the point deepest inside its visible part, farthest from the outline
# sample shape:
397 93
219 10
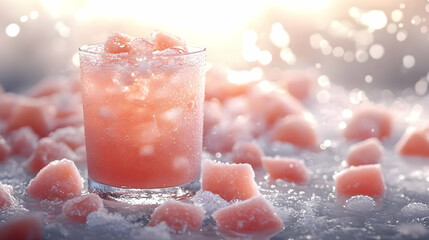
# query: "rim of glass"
92 49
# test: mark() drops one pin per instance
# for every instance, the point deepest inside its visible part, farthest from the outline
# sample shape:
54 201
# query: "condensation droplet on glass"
421 87
323 81
408 61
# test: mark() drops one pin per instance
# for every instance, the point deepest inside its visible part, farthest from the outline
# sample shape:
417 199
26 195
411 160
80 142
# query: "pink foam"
73 137
288 169
296 130
414 142
361 180
269 104
36 114
58 180
162 41
178 216
367 122
78 208
48 150
4 149
27 227
250 216
117 43
6 196
247 152
140 46
23 141
230 181
369 151
298 83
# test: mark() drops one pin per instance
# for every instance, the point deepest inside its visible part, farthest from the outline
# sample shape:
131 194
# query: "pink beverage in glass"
143 113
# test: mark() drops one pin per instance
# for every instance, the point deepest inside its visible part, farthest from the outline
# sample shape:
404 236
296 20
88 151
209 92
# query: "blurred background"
359 44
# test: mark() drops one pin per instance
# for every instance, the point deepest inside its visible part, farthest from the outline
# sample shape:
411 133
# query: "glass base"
143 196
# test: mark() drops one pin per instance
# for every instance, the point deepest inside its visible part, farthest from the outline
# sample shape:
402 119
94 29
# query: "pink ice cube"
223 136
230 181
60 179
73 137
298 83
140 46
247 152
269 103
296 130
48 87
178 216
8 102
6 196
23 141
367 122
254 215
369 151
361 180
288 169
33 113
414 142
220 85
117 43
4 149
78 208
27 227
162 41
212 114
48 150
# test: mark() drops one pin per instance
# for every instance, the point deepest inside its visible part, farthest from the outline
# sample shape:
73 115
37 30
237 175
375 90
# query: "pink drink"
143 116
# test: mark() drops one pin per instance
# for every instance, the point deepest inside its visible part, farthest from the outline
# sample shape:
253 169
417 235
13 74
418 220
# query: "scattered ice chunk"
298 83
247 152
414 142
74 137
296 130
60 179
361 180
368 151
360 203
210 201
288 169
412 231
4 149
6 196
23 141
160 232
230 181
27 227
179 216
162 41
254 215
80 207
140 46
48 150
212 114
117 43
369 121
416 210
